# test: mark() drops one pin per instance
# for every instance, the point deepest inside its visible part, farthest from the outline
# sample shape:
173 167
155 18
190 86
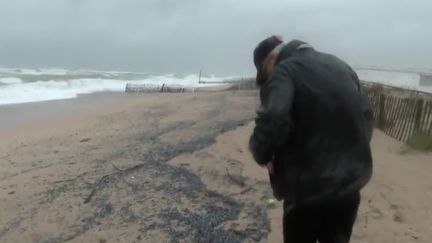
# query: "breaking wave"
31 87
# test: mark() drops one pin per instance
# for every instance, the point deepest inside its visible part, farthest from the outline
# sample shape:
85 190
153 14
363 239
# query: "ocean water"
406 80
28 85
32 85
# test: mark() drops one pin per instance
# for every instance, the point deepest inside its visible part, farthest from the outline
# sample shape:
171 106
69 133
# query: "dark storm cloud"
218 36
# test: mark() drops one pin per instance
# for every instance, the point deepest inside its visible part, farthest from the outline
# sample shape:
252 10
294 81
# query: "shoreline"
21 114
40 120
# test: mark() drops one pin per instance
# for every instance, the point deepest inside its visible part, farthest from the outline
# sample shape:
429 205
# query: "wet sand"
173 168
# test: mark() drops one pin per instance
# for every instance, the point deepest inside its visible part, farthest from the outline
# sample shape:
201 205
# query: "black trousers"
327 222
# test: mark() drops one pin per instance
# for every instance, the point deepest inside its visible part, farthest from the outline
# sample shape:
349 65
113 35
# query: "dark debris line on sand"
205 227
10 225
202 224
164 152
184 224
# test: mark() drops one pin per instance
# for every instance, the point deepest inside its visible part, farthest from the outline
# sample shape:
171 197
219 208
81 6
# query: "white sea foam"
10 80
13 90
398 79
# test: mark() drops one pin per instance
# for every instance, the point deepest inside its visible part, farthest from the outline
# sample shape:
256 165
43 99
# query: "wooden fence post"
381 112
199 78
418 116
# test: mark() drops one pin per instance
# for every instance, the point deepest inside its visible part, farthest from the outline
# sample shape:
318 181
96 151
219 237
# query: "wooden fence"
401 114
241 84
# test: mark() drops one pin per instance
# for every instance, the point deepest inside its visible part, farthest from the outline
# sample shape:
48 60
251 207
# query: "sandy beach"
172 168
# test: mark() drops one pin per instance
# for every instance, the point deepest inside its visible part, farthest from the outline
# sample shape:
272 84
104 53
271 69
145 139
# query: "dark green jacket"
315 125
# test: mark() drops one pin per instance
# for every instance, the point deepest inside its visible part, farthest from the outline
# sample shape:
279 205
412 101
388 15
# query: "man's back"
329 142
323 150
312 133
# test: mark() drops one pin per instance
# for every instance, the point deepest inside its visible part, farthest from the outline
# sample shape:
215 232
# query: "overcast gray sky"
183 36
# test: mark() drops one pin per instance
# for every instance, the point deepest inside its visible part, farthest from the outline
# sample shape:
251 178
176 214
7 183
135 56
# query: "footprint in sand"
376 213
398 215
359 234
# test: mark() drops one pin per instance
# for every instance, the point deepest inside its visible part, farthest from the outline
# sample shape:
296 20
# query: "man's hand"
270 167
